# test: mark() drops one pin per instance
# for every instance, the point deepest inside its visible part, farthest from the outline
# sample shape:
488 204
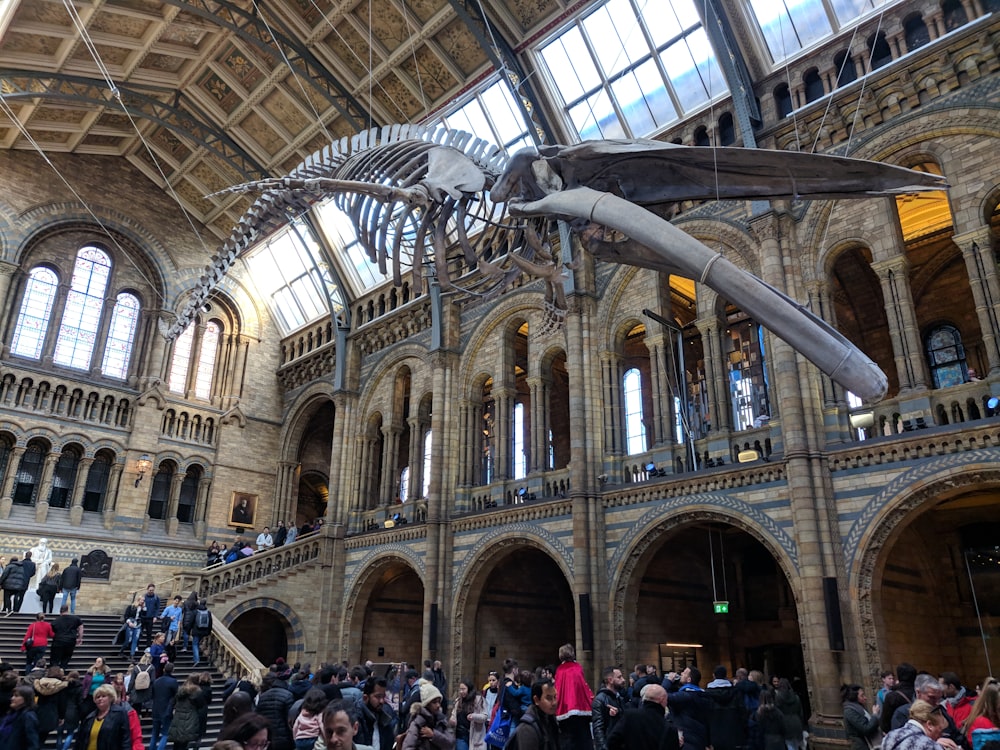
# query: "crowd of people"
243 547
552 707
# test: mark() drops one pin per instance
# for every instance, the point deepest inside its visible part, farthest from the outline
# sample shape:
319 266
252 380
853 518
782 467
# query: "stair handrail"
228 654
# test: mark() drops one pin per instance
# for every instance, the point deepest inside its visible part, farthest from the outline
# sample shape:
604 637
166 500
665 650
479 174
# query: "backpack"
202 619
514 742
143 680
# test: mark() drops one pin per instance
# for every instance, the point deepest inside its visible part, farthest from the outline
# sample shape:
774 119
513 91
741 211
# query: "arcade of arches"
493 487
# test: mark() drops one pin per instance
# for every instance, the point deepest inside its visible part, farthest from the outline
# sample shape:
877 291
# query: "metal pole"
979 616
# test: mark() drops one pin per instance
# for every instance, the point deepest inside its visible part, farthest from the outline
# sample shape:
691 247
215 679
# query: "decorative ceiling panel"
239 102
462 47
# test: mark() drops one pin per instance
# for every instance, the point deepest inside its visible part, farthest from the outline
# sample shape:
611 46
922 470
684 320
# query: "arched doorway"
709 593
520 606
941 565
264 632
394 616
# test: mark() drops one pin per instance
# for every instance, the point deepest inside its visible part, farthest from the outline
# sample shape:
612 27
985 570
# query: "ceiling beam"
273 35
196 128
504 60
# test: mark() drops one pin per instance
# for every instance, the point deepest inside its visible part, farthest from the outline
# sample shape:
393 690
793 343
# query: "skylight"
628 69
493 115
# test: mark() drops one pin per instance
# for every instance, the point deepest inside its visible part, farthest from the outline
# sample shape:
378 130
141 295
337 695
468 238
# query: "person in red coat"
575 700
39 632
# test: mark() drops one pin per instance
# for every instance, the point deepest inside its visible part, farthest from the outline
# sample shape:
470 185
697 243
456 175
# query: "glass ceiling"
625 69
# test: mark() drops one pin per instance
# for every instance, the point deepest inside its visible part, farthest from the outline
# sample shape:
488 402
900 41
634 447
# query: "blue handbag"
499 731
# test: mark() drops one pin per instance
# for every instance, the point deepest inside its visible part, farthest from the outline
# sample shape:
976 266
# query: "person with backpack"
202 628
538 729
140 686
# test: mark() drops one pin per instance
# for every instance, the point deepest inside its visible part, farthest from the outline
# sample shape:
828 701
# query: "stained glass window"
36 307
84 304
121 336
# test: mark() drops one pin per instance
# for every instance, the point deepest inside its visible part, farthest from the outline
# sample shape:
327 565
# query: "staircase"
98 640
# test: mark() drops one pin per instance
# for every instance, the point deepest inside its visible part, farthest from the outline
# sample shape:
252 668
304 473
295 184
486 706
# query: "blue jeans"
194 646
461 745
132 639
161 728
68 742
71 595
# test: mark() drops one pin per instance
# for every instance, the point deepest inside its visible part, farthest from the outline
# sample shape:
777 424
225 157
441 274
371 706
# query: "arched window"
63 479
635 425
36 308
97 483
81 318
428 441
28 474
404 484
946 356
159 494
121 336
520 455
193 359
189 495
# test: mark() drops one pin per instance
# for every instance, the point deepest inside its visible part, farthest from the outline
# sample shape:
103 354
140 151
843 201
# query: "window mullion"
190 383
101 342
55 323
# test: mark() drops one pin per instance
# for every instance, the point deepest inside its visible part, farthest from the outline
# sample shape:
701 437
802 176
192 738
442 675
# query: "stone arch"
313 398
361 582
295 629
885 516
481 561
683 511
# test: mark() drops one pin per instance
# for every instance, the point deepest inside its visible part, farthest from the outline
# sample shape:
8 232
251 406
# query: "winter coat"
910 736
48 587
860 726
115 733
12 578
386 726
443 739
791 709
602 722
573 692
643 727
772 728
537 732
19 730
692 711
51 702
74 697
186 726
70 578
727 721
273 704
470 722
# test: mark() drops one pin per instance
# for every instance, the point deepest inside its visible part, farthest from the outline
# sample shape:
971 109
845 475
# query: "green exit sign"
721 608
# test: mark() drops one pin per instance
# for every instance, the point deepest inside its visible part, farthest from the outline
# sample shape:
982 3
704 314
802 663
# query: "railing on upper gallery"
226 577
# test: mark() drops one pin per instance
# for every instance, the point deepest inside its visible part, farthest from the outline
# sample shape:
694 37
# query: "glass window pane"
33 319
848 10
634 106
206 360
655 94
635 425
82 313
503 111
181 360
615 34
121 336
571 65
595 118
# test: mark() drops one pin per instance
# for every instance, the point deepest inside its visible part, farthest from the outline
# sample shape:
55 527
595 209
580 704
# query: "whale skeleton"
429 198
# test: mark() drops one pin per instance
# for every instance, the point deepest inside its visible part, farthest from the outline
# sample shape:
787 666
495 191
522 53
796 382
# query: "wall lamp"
142 465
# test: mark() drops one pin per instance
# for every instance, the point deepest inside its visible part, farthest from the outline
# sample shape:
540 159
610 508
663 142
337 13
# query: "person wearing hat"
428 727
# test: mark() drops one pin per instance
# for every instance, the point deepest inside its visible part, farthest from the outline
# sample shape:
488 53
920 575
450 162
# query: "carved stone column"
174 502
659 422
79 485
614 408
907 350
387 488
9 477
977 251
201 506
44 487
111 494
10 306
503 417
415 488
538 456
716 382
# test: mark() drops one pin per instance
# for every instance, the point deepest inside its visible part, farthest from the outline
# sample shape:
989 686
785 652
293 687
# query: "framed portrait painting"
243 510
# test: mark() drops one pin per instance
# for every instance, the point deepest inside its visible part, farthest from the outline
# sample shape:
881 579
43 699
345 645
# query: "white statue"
41 555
